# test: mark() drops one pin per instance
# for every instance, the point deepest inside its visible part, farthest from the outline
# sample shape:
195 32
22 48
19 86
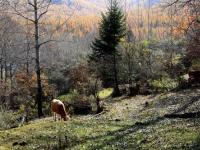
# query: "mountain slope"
97 6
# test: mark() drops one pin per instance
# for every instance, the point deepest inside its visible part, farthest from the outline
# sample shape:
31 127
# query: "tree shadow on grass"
181 110
120 138
102 122
180 103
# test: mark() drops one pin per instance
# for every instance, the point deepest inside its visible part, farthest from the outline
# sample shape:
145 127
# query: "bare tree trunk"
6 71
38 71
138 21
27 61
5 66
148 36
116 91
129 70
37 8
27 52
171 49
1 66
1 71
11 85
95 94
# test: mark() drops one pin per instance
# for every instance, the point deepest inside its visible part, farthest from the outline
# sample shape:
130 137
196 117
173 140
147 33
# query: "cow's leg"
59 117
53 115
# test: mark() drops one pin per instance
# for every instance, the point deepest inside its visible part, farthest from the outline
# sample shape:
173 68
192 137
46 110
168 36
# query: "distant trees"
105 48
192 27
26 30
151 48
33 11
9 53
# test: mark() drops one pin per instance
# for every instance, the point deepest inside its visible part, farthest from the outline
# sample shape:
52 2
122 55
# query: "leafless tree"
33 11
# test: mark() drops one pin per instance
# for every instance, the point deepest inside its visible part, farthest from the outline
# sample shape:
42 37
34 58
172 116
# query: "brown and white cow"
58 109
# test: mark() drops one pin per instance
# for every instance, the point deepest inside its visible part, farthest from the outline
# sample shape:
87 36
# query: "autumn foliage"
27 84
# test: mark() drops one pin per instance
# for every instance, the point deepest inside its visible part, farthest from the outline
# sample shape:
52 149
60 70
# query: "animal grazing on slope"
58 108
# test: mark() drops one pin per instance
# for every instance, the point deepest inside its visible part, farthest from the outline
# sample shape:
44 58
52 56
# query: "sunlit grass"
89 134
105 93
123 126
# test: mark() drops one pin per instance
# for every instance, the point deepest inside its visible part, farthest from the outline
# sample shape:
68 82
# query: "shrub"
8 119
61 82
183 82
78 104
164 84
70 98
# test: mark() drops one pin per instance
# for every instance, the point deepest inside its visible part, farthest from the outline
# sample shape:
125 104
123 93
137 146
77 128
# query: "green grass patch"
105 93
91 134
126 125
75 134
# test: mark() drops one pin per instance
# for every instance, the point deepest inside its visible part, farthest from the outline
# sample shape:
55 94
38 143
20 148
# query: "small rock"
117 120
139 123
146 104
15 143
23 143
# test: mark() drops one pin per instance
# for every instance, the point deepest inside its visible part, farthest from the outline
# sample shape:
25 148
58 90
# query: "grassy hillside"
126 124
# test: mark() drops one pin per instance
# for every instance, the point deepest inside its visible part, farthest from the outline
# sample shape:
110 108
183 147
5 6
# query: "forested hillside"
130 68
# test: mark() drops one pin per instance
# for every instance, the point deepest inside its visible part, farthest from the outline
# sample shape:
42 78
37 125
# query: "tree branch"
43 13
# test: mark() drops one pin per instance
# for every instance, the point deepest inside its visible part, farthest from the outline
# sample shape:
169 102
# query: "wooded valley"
131 68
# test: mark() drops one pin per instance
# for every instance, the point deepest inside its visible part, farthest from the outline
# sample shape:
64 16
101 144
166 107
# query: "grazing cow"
58 108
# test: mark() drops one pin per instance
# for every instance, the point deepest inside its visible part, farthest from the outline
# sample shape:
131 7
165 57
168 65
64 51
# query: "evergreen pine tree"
105 48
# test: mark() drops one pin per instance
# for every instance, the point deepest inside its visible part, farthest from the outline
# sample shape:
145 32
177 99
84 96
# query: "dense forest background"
45 48
127 73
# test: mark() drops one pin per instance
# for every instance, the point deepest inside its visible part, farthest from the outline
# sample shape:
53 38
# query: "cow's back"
58 107
55 105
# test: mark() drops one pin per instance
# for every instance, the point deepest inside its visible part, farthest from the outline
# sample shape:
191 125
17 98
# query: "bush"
8 119
70 98
183 82
62 83
78 104
164 84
